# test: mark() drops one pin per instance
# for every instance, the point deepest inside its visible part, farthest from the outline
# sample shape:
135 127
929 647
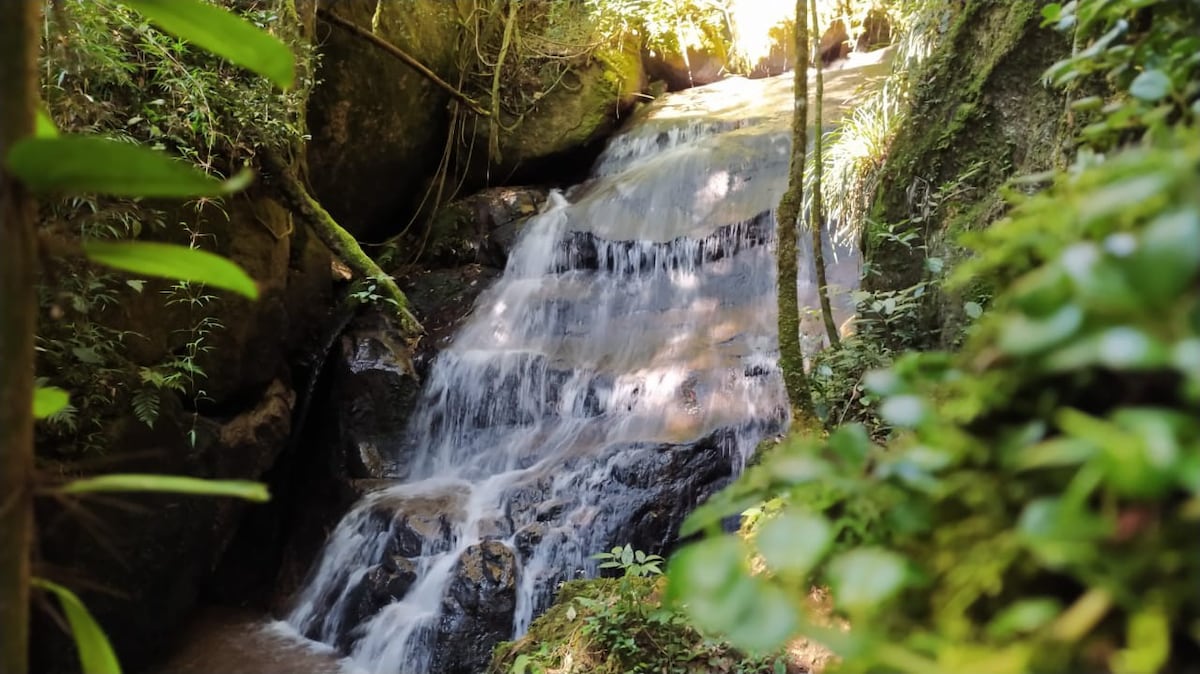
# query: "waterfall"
621 370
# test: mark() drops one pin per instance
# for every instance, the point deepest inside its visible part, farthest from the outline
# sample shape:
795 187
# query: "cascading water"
621 370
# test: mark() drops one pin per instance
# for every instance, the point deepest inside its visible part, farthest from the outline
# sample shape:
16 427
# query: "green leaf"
164 260
1167 258
768 625
793 543
223 34
48 401
863 578
1024 616
1151 86
88 164
44 125
95 652
904 410
1024 336
176 484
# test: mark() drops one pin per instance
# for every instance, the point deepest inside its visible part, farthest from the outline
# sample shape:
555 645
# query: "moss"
976 118
604 626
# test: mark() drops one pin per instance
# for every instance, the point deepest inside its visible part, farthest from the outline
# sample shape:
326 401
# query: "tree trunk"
18 316
791 358
340 242
817 211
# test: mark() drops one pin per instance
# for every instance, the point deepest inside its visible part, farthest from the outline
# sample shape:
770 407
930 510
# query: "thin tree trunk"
791 357
340 242
817 211
18 316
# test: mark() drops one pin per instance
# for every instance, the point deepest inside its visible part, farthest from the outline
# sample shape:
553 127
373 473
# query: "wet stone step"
586 251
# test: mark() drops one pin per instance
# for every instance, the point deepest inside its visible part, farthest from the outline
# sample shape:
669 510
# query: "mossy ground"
620 626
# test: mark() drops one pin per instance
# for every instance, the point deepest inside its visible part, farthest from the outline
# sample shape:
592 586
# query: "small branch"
413 63
337 239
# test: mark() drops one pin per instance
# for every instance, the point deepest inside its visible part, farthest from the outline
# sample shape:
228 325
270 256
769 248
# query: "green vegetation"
621 626
37 159
1029 502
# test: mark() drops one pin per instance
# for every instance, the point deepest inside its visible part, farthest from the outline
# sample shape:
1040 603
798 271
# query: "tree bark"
18 316
340 242
817 210
791 357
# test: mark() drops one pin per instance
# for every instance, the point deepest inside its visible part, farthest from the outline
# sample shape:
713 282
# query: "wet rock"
586 251
420 525
442 300
481 228
381 585
477 611
373 390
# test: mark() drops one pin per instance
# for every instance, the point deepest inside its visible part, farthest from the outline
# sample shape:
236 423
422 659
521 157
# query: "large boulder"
576 113
479 229
378 125
477 611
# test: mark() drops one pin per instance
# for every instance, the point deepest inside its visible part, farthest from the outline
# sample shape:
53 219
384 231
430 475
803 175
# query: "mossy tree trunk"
18 315
791 357
340 242
817 210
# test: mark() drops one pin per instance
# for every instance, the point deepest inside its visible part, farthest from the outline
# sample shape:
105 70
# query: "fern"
145 406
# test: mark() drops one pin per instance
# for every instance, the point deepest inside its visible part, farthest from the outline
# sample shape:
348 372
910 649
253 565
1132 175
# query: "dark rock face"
876 31
835 42
381 585
443 299
477 610
378 125
481 228
156 555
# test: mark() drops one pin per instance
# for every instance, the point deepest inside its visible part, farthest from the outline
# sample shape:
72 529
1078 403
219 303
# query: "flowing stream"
621 370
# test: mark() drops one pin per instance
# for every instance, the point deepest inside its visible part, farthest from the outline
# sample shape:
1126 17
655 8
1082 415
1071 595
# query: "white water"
634 319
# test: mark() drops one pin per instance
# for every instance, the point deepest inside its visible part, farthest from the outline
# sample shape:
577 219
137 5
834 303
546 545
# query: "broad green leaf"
88 164
1151 86
863 578
224 34
44 126
164 260
176 484
1024 616
1168 258
793 543
48 401
95 653
768 625
1024 336
905 411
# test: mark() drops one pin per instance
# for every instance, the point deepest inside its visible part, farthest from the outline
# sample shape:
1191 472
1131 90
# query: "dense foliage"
1034 501
107 70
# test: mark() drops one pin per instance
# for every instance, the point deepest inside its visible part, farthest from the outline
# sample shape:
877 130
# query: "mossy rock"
978 116
584 108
